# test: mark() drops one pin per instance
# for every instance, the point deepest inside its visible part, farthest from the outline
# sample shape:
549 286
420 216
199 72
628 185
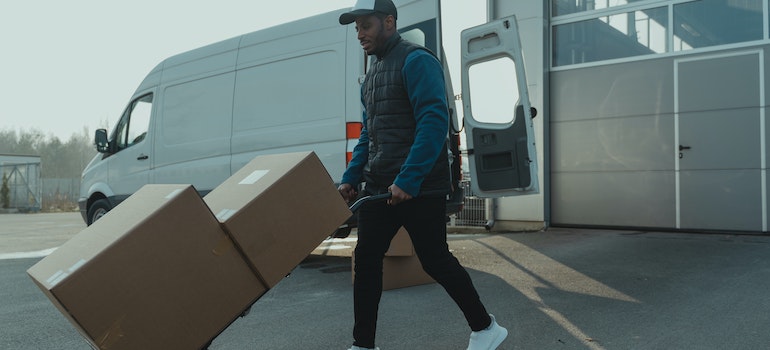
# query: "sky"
68 66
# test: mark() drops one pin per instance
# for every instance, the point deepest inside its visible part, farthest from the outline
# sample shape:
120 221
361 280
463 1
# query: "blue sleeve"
424 81
354 173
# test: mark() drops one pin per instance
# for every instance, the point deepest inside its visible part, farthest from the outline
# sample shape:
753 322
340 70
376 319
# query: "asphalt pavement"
558 289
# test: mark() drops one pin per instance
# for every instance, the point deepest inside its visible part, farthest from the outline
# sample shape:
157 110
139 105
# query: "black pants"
425 220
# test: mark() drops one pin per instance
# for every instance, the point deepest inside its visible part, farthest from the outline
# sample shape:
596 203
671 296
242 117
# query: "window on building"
634 33
565 7
612 29
716 22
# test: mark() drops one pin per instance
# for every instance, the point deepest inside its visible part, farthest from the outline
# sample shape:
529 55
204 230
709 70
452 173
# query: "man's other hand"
348 192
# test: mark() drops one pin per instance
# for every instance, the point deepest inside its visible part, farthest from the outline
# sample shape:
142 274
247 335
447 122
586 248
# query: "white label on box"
174 193
56 278
253 177
225 214
77 265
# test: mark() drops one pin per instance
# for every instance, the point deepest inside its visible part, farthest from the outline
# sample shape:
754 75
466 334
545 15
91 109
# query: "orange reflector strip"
353 130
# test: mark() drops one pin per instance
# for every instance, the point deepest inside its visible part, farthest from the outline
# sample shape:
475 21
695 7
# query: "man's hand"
397 195
348 192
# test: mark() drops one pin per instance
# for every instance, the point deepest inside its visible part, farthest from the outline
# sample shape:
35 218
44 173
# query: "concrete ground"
558 289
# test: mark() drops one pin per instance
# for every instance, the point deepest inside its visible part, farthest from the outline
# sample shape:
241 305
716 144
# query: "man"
402 150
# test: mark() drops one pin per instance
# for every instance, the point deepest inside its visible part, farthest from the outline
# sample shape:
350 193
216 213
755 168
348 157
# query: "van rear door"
419 22
498 119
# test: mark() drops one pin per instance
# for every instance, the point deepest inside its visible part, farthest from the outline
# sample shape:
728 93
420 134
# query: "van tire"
97 210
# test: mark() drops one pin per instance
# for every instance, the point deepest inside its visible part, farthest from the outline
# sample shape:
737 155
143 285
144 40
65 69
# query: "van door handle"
143 157
682 148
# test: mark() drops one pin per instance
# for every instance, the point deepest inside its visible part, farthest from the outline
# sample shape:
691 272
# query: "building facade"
653 113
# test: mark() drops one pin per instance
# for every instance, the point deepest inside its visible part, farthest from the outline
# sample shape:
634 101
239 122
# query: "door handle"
682 148
143 157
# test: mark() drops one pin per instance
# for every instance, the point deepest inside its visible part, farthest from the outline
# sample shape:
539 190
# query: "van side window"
132 128
423 33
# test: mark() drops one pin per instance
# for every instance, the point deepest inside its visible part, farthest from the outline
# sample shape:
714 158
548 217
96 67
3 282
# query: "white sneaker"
360 348
489 338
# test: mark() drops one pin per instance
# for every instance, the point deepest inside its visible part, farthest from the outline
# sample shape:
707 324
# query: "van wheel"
97 210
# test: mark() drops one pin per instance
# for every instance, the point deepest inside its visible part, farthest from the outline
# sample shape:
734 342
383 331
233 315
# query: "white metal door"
720 140
502 156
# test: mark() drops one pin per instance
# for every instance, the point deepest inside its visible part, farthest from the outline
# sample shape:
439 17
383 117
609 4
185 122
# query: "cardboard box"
400 272
156 272
278 208
400 267
401 245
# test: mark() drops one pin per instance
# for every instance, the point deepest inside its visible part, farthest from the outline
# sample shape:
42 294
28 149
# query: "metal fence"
474 212
61 194
29 192
24 186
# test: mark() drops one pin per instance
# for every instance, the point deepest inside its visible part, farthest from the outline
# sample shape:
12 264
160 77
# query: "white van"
201 115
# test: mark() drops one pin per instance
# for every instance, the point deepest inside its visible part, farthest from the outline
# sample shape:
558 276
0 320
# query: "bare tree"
59 159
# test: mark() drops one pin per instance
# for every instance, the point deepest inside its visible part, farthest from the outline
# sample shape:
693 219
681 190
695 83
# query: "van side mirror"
100 139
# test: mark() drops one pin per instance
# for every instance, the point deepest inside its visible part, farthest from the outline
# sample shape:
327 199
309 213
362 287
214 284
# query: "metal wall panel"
722 139
614 150
618 90
721 200
614 144
719 83
626 199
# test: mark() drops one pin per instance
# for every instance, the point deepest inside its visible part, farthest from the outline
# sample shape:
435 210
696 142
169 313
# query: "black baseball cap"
368 7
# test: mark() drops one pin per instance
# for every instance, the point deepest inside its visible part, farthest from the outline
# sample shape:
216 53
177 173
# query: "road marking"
25 255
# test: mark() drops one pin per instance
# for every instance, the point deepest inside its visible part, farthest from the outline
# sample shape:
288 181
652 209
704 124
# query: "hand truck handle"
373 198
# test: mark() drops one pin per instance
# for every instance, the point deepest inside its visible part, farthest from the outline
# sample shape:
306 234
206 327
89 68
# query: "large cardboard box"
278 208
400 272
156 272
401 245
401 268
